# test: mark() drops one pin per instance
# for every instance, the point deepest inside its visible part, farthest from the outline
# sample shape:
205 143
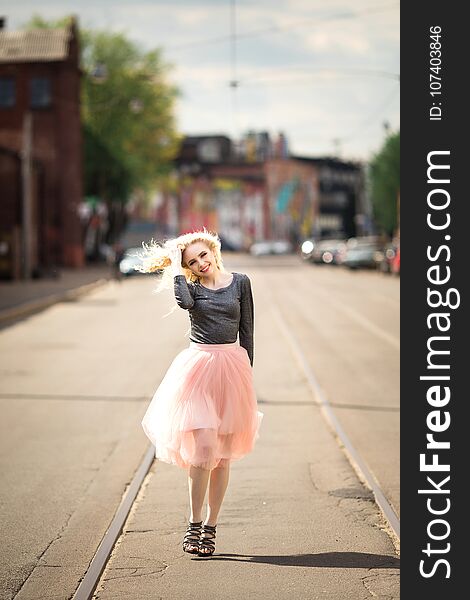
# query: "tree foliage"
385 184
128 123
131 111
37 22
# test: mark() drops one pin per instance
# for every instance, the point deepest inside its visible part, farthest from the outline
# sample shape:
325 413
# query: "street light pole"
26 164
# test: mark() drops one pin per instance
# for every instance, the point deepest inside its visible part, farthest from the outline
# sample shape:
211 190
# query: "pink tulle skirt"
204 412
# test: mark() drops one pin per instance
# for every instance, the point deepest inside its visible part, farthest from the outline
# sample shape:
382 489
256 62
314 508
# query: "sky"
326 74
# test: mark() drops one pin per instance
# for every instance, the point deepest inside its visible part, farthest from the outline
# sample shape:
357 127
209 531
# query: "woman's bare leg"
217 486
218 483
197 483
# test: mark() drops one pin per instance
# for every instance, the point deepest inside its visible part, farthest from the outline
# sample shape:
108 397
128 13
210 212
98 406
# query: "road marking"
355 459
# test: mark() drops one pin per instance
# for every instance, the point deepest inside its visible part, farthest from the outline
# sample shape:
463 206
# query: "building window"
40 92
7 92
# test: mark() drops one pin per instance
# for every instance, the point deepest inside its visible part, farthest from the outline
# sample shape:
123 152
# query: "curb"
34 306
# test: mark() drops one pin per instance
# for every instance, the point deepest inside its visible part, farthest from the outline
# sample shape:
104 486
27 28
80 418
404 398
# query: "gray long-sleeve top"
217 316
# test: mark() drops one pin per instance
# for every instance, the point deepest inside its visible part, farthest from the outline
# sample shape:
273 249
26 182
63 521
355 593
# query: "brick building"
219 189
260 195
40 85
340 196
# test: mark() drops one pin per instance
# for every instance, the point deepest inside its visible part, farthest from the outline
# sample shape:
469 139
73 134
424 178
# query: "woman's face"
199 259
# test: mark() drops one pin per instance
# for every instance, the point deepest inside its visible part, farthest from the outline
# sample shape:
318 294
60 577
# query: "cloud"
337 41
305 66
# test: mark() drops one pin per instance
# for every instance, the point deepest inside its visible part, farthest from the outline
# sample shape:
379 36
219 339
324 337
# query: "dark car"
129 261
328 252
361 253
385 257
228 246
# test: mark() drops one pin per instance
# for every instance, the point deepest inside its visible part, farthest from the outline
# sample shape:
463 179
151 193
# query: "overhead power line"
372 117
281 29
314 72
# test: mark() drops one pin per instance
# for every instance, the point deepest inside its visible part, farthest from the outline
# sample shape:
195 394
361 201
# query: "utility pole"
26 164
337 146
234 83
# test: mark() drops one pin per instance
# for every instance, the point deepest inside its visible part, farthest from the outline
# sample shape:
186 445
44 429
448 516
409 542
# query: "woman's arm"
246 328
183 295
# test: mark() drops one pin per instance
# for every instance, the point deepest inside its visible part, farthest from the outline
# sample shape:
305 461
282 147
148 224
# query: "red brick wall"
57 146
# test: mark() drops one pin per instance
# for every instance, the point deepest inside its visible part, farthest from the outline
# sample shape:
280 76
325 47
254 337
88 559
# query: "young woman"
204 413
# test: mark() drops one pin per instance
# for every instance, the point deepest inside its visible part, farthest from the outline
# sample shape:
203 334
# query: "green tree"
130 113
129 129
385 184
37 22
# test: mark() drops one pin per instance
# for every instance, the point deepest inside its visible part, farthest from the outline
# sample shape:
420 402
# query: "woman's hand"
176 257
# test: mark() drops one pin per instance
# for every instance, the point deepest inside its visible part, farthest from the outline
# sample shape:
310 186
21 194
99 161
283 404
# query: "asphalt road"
76 380
347 325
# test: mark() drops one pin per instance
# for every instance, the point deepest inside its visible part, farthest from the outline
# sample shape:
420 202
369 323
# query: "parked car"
282 247
361 252
306 248
328 252
227 245
396 262
385 257
266 247
129 261
261 248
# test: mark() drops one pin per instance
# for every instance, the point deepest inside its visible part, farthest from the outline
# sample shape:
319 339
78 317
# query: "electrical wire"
371 119
280 29
318 71
366 124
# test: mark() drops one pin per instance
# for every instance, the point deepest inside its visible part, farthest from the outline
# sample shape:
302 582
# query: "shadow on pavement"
350 560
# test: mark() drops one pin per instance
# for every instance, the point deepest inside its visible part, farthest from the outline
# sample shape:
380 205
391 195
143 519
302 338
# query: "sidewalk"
296 521
21 298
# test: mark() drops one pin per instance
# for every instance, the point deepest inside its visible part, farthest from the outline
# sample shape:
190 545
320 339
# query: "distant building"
255 190
293 192
199 150
340 196
219 188
40 83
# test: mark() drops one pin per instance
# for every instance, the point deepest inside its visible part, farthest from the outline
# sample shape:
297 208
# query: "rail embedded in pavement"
354 458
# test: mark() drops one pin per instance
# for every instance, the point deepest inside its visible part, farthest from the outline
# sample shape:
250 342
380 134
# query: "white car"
266 247
129 261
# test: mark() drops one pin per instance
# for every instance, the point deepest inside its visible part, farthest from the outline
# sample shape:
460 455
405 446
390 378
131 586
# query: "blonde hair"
156 255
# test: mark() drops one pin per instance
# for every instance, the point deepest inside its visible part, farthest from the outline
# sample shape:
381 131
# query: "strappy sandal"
207 540
192 537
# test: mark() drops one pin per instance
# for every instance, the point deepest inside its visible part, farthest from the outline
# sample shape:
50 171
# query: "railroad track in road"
352 454
89 582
